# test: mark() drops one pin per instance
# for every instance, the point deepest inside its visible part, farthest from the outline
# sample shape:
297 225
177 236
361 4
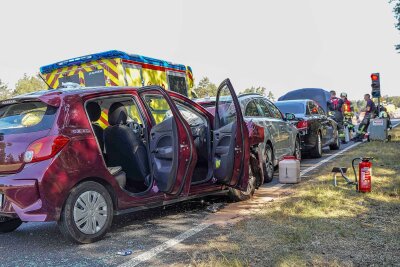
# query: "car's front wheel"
87 213
239 195
9 224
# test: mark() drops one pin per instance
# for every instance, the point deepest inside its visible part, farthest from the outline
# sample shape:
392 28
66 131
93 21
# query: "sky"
281 45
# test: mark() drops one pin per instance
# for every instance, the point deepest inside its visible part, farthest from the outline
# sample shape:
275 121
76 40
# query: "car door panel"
279 132
171 146
231 151
224 152
164 154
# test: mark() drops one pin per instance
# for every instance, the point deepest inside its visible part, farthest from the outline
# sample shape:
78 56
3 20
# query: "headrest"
117 114
94 111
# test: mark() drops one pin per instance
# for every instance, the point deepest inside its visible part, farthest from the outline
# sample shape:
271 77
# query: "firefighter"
335 108
346 107
347 111
369 113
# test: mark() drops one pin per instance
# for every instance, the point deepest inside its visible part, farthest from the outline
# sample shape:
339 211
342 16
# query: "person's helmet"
343 95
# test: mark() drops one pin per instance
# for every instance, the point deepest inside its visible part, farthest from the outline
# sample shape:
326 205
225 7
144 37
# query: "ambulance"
116 68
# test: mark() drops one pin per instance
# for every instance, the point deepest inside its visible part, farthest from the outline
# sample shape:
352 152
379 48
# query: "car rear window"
26 117
296 108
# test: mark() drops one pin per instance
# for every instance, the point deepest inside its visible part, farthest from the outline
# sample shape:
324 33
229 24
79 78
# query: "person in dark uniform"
369 114
335 105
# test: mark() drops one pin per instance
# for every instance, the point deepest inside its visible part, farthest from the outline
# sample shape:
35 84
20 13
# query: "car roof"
73 91
319 95
294 101
240 97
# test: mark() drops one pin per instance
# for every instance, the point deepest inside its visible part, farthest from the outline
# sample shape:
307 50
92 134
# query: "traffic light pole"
379 106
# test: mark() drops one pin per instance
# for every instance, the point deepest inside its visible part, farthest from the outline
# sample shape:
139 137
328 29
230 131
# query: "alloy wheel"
269 166
319 144
297 152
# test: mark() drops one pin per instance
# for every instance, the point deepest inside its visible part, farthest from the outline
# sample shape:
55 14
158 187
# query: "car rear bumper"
21 199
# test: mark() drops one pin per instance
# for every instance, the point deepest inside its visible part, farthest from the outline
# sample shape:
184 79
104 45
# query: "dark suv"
60 160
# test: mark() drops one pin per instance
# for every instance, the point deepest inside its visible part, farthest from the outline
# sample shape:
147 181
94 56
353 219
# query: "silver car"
281 138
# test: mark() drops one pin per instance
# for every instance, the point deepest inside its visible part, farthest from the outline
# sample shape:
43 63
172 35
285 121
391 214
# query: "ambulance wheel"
336 144
9 224
237 195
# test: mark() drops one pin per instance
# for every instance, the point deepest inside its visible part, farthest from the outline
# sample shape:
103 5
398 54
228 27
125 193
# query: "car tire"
268 165
316 152
92 199
336 144
9 224
237 195
297 149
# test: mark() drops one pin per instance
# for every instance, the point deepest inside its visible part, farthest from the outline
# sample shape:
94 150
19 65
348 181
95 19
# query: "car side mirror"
290 116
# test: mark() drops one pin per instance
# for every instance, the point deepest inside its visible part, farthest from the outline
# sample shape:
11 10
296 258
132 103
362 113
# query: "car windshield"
26 117
291 107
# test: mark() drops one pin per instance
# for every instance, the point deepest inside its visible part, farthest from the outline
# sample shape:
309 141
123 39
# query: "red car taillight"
302 125
45 148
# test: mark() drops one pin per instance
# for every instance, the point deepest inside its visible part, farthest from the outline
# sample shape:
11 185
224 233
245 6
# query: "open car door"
231 151
171 147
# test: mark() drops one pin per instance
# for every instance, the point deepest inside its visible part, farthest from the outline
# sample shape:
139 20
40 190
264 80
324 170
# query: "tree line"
206 88
396 12
26 84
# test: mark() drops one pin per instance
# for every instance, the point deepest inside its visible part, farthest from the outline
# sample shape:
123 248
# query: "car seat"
124 147
94 112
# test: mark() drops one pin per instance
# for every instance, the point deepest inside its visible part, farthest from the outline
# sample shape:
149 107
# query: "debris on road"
125 252
213 208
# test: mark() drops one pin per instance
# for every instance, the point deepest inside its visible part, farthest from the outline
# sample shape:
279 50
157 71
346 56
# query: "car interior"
200 128
127 152
122 141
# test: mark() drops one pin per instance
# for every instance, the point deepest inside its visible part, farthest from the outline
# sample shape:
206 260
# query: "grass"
318 224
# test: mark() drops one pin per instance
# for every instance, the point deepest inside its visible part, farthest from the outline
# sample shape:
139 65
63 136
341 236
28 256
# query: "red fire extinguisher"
365 174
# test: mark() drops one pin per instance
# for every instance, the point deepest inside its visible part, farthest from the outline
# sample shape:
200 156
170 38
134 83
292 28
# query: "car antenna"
41 77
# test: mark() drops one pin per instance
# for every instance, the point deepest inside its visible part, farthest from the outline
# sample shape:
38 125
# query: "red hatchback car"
60 161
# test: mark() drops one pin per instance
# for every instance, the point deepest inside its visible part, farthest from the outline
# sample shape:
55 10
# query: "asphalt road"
41 244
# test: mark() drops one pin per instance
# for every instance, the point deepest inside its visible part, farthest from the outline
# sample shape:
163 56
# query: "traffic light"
376 86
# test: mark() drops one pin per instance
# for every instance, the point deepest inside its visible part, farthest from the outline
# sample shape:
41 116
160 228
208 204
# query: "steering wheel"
136 128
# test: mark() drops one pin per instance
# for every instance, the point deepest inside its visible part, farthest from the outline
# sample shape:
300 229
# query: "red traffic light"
374 77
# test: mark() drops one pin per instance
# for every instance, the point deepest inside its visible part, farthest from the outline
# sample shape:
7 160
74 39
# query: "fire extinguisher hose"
354 170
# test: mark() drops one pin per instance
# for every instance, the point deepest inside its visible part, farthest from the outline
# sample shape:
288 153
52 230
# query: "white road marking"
178 239
166 245
302 173
334 156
